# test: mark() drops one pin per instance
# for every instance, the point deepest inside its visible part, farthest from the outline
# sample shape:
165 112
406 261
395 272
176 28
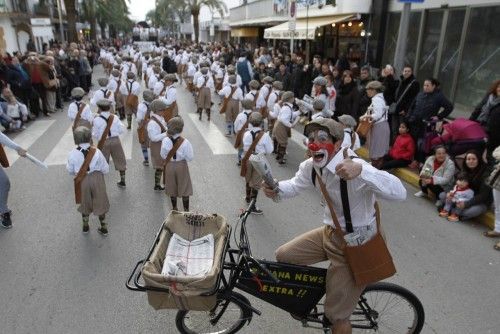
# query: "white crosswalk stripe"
215 139
29 137
59 154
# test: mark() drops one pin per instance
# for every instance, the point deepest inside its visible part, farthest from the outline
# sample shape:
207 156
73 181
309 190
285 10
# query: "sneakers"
238 163
6 221
443 213
145 163
257 211
121 184
159 188
453 218
420 194
103 230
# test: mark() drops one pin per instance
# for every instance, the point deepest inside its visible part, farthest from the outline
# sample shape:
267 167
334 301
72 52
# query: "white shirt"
225 82
201 81
135 90
86 112
347 142
113 84
241 119
158 87
265 144
370 185
154 130
191 70
226 91
142 110
101 94
263 92
184 152
17 110
4 140
273 98
287 116
251 95
76 159
326 112
275 111
196 76
170 95
99 125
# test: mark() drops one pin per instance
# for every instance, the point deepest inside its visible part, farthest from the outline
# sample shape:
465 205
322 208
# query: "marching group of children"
260 119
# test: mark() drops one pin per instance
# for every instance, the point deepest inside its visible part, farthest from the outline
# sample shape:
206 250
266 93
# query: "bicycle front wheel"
388 308
227 317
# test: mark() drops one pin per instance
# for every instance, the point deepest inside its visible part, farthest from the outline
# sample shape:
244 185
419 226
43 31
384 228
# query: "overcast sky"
139 8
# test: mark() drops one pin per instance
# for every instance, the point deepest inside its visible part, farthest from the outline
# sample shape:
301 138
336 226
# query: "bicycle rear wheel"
388 308
229 316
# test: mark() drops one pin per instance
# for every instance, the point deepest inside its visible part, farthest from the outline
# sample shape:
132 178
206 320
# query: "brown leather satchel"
77 181
141 130
78 115
371 261
239 135
169 112
132 100
4 161
171 154
226 100
251 149
263 110
104 136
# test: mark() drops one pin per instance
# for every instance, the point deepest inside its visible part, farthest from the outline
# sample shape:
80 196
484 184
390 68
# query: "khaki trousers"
319 245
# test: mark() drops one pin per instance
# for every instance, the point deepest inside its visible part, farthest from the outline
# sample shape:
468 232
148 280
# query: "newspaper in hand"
189 258
262 166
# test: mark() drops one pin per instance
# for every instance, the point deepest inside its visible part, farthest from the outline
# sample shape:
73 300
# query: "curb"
487 219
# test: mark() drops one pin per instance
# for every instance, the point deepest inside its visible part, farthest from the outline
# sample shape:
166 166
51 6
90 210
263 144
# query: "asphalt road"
54 279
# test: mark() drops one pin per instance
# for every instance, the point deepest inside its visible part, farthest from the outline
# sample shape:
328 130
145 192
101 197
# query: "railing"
254 10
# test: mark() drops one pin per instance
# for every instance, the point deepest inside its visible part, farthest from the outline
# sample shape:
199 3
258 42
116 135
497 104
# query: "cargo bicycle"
382 307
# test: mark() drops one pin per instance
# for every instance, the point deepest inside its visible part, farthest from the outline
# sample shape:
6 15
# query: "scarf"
492 102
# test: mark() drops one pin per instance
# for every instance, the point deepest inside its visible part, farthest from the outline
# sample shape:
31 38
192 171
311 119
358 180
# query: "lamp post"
61 26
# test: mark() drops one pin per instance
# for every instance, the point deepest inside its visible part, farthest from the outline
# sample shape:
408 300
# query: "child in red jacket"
402 152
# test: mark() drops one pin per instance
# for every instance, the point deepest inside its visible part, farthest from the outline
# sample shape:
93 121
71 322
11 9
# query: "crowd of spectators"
34 84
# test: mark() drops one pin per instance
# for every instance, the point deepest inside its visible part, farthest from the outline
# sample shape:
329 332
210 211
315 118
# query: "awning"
304 28
244 32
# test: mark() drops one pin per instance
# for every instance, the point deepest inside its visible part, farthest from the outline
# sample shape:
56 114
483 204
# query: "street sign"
291 25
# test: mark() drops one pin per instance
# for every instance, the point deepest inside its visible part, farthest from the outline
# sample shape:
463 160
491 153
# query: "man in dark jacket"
300 76
19 81
364 99
284 76
405 95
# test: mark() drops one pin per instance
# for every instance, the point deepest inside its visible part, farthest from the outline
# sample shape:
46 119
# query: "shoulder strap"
174 149
233 89
162 127
78 115
250 151
118 84
405 91
82 173
106 132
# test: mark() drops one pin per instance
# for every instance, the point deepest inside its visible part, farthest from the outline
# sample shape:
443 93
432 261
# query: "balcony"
260 12
42 10
14 8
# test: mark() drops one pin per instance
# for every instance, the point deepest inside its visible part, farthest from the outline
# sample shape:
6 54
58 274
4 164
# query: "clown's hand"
348 169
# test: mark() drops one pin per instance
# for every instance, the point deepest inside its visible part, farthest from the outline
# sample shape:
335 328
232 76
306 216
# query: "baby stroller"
460 136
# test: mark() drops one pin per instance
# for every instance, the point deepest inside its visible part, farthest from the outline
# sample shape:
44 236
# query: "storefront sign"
40 22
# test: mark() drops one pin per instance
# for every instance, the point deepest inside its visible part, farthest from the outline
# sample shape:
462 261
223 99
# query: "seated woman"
402 152
476 172
437 174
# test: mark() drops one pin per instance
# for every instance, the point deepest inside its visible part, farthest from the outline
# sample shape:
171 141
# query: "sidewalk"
411 177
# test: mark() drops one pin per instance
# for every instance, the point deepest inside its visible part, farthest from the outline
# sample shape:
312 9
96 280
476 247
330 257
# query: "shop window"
451 50
481 56
391 38
430 44
412 39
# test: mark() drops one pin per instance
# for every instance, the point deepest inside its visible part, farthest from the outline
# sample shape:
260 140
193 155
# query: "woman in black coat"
347 102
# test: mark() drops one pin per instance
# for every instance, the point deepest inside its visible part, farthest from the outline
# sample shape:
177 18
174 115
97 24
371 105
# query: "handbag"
392 107
364 127
493 180
371 261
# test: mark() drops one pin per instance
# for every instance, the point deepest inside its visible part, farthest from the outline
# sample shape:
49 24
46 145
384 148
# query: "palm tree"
194 7
113 13
71 17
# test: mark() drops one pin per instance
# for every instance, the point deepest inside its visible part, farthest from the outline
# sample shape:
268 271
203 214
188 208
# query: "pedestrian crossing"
28 137
215 139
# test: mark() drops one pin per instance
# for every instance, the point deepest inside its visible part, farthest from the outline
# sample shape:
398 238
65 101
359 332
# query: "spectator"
390 84
260 73
364 100
402 152
405 95
51 85
19 80
85 71
488 114
244 70
427 104
476 172
284 76
38 72
495 184
299 78
461 193
347 96
336 77
378 138
437 174
16 112
332 93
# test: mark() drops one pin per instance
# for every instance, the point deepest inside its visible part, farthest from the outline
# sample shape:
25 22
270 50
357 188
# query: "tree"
71 18
194 7
113 13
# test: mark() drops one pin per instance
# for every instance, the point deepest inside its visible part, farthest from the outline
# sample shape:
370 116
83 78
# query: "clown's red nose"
313 147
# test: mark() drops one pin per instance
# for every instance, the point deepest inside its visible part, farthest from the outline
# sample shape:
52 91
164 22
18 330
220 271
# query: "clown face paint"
321 148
